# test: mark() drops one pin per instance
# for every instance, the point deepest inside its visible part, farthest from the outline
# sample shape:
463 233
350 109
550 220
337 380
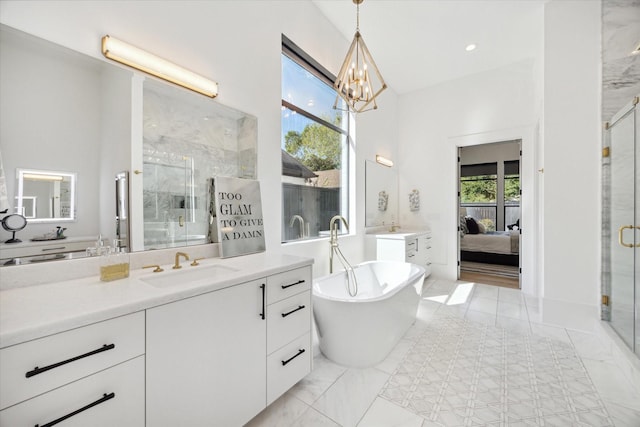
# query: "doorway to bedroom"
489 211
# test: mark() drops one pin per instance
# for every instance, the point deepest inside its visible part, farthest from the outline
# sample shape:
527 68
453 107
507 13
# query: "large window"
314 145
479 192
490 193
511 192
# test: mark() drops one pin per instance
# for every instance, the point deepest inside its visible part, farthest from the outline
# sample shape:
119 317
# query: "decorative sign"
236 216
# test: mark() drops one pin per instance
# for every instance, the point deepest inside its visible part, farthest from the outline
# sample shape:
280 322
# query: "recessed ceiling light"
470 47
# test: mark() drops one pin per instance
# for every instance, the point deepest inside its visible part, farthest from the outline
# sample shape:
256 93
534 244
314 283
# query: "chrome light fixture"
359 81
144 61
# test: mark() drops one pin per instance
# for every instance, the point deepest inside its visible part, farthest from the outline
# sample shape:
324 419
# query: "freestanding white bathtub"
360 331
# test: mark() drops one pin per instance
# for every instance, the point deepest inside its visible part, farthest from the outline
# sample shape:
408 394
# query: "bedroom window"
511 192
479 192
314 147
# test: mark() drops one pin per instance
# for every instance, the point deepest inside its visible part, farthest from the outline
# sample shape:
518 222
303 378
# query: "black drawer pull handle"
263 287
284 362
293 284
300 307
428 247
104 398
53 249
37 370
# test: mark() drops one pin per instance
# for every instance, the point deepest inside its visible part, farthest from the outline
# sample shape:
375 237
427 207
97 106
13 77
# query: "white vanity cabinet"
409 247
206 358
92 375
220 358
289 350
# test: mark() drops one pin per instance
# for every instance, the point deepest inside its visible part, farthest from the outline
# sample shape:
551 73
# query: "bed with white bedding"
496 247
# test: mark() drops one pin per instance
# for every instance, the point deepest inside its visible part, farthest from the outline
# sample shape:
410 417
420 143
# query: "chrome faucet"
177 263
335 249
301 224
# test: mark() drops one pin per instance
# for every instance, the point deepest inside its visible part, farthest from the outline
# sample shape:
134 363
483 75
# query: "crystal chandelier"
359 81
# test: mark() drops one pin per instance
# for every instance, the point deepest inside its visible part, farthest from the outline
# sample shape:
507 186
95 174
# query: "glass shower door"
623 230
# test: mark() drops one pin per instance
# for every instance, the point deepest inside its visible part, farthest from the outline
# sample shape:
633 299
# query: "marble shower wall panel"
247 131
620 67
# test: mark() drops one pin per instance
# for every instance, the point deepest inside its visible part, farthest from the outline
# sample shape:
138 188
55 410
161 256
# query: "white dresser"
413 247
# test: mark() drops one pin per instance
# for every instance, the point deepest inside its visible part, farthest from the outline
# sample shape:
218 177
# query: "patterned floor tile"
464 373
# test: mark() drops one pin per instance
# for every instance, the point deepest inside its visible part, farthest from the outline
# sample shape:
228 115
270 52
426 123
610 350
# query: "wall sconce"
383 161
124 53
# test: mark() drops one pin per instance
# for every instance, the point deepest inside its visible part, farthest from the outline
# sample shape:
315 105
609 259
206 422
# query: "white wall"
238 44
572 152
486 107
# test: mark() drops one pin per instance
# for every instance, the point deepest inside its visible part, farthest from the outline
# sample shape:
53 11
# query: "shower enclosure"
621 231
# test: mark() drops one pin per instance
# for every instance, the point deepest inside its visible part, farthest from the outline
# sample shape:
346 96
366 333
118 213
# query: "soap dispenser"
114 264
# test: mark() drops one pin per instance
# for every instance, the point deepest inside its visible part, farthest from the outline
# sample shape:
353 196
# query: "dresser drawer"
37 366
288 283
287 366
117 395
287 320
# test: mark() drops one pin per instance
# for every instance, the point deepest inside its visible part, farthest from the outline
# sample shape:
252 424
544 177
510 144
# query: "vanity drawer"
411 243
287 320
37 366
287 366
117 395
288 283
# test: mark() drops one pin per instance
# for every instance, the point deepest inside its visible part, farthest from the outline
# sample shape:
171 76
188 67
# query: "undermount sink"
187 274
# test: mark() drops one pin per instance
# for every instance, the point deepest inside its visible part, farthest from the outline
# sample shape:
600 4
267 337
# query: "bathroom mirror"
381 195
187 141
46 196
65 111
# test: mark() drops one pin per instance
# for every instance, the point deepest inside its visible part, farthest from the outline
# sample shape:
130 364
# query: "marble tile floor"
477 355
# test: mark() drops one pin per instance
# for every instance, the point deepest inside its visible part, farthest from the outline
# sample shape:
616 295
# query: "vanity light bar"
124 53
41 177
383 160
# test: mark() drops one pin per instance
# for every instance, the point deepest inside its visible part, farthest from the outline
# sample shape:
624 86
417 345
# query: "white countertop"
32 312
399 235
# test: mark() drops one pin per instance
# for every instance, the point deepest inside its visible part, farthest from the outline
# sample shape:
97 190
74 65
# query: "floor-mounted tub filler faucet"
301 223
335 249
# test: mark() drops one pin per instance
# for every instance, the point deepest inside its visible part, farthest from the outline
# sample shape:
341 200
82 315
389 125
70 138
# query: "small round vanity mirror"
13 223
